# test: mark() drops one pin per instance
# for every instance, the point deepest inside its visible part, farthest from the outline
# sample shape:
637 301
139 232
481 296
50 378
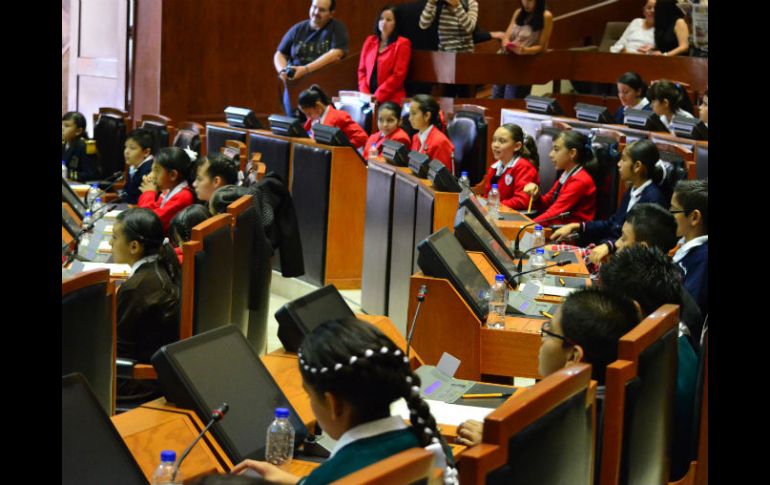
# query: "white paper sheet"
445 413
115 269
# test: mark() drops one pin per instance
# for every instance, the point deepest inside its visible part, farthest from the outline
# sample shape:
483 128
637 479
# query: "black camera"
289 70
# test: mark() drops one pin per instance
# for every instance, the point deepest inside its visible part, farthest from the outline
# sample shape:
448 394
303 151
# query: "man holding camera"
310 45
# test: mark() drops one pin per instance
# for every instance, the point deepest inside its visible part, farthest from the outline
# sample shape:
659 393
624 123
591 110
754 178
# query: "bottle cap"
95 186
462 174
281 413
168 455
538 227
88 214
499 278
540 251
494 186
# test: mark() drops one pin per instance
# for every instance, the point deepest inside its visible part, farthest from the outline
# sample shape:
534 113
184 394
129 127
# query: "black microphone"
568 237
216 415
96 219
104 190
108 179
516 251
514 284
421 293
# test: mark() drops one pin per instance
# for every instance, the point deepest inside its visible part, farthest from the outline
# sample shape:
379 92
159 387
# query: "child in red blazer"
166 190
318 109
389 53
387 121
574 191
517 165
430 138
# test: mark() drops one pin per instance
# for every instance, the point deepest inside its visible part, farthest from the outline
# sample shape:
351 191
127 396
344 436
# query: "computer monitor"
299 317
395 153
692 128
418 163
593 113
442 178
643 120
287 126
331 135
471 202
473 236
441 255
69 223
92 451
203 371
241 117
69 196
543 105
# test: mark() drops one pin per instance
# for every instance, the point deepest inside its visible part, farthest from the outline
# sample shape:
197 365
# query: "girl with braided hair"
352 373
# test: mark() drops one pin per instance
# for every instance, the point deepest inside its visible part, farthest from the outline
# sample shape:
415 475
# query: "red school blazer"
392 66
180 200
512 195
340 119
437 146
578 196
398 135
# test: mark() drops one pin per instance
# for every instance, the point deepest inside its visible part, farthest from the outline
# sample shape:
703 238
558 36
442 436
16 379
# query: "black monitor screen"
442 256
287 126
69 222
330 135
92 451
395 153
471 202
69 196
475 237
643 120
217 366
299 317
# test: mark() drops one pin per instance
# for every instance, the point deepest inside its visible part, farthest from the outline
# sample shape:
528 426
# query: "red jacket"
578 195
437 146
512 181
398 135
340 119
180 200
392 65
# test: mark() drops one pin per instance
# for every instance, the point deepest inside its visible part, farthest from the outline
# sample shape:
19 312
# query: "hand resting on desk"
469 432
265 470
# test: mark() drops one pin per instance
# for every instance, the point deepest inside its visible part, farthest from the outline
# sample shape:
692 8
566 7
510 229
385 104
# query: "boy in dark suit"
689 204
138 154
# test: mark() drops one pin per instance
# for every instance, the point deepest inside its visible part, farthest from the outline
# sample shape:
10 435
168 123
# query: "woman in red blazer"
574 191
430 139
318 109
516 166
388 116
385 60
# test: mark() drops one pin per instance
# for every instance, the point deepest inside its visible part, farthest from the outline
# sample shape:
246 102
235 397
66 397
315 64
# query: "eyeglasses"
546 330
678 211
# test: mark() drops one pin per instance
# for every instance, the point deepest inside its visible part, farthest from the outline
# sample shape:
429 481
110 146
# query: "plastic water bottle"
373 152
63 169
93 193
498 298
538 261
465 184
98 204
539 238
493 204
164 474
85 239
280 438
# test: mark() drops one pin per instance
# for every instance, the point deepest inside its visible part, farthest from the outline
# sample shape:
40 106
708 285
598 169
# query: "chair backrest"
544 435
207 277
190 135
612 33
110 127
608 148
409 466
546 134
468 132
682 162
360 107
160 127
88 332
216 136
701 436
639 402
405 124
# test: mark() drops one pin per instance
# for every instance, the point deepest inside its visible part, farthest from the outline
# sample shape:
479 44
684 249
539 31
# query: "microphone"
568 237
96 219
108 179
516 251
103 191
216 415
512 280
421 294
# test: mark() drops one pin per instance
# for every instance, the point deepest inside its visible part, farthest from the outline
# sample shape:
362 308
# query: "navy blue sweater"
597 231
132 184
696 275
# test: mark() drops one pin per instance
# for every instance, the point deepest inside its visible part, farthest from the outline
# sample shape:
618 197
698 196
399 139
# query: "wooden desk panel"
285 371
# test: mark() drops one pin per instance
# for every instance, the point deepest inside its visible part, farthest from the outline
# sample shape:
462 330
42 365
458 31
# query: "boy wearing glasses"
586 328
689 204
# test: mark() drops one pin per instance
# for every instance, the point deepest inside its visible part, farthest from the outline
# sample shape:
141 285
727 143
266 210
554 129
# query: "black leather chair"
159 126
216 136
88 332
468 132
190 135
675 165
276 153
702 160
607 146
110 136
360 107
547 133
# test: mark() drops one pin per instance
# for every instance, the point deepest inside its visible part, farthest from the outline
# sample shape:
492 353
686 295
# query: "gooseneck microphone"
514 284
516 252
216 415
421 293
569 237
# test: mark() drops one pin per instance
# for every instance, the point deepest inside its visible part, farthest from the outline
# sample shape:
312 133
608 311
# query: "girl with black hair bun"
353 373
148 302
315 104
575 190
425 117
180 230
166 190
388 118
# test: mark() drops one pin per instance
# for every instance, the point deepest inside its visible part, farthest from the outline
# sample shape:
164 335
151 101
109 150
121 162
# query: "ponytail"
144 226
309 97
529 146
647 153
427 104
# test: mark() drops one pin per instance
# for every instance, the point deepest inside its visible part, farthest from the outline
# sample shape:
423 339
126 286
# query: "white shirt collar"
367 430
424 136
569 174
636 194
172 192
132 170
686 247
326 112
641 104
146 259
502 168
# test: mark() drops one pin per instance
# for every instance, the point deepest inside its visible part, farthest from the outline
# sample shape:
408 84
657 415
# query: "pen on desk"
561 280
546 314
482 396
555 253
529 208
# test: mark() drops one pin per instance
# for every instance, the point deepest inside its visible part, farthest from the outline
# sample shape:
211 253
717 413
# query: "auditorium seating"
190 135
237 152
110 129
414 465
360 107
548 132
469 132
160 127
